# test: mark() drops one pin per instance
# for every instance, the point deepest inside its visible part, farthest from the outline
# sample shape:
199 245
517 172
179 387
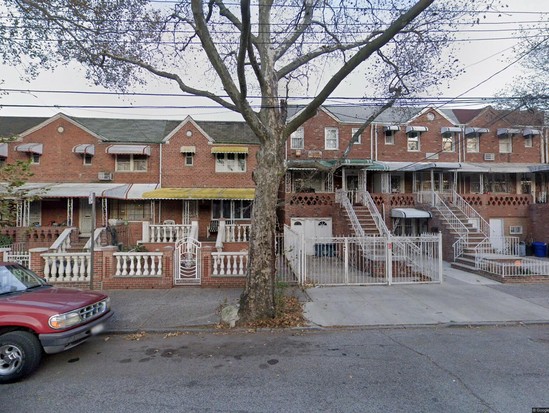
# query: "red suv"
37 318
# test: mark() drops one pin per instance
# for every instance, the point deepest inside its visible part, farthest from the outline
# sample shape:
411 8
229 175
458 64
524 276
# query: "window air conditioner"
104 176
489 156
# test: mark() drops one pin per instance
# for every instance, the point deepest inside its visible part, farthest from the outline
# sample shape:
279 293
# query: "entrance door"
85 222
312 228
496 234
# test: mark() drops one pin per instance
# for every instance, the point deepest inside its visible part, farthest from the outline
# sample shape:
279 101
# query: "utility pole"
92 239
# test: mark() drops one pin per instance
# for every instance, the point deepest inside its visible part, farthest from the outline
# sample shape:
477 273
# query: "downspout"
160 186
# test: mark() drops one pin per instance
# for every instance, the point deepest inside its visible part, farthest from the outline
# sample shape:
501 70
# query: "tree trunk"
257 300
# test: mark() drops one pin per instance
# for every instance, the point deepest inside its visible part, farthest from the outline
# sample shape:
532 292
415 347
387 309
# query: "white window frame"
449 137
506 144
528 142
87 159
188 159
359 139
230 162
389 137
297 139
134 161
411 139
331 143
474 139
35 158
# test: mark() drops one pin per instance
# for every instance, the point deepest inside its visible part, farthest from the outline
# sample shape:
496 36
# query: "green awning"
230 149
201 193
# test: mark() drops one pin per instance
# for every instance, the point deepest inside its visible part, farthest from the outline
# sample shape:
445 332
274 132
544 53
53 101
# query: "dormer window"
188 153
87 151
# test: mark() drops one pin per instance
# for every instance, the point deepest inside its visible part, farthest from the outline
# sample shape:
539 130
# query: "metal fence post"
440 256
389 260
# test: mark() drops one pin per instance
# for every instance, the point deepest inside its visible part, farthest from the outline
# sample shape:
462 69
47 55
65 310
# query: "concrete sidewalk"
462 298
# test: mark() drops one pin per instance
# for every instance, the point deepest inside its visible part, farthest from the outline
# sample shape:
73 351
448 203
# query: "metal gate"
187 261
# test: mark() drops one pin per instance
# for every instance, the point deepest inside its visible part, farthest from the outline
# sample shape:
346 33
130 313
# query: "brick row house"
156 181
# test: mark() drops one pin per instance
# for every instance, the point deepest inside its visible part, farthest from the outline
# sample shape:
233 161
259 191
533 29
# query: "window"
505 144
232 210
189 159
130 210
297 139
331 138
230 162
448 139
359 137
87 159
413 141
389 137
497 183
131 163
472 142
35 158
528 143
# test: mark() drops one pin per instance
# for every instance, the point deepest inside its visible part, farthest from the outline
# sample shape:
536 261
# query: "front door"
496 234
85 222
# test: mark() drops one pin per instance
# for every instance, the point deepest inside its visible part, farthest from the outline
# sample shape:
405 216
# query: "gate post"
440 256
346 259
389 260
303 258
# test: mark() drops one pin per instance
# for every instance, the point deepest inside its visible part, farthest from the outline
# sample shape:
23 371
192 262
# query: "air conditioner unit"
489 156
104 176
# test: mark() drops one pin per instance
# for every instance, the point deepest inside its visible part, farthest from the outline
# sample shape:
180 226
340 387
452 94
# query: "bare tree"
249 58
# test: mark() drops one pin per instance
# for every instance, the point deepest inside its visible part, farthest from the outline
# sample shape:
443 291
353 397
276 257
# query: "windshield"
15 278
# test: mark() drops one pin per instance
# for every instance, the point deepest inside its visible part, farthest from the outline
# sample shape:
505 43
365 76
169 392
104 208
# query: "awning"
391 127
77 190
530 132
129 191
409 213
230 149
4 150
129 150
416 129
507 131
392 166
201 193
438 165
450 129
31 148
188 149
471 131
86 148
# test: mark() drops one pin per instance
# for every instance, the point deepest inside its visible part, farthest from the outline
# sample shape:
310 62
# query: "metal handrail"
470 212
368 201
341 198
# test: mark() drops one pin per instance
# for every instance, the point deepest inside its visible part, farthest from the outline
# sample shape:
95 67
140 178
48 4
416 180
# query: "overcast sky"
488 52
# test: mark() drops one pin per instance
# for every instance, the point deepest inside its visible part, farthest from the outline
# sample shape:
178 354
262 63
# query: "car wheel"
20 355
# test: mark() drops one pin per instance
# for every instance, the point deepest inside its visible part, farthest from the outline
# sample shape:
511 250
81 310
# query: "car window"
17 278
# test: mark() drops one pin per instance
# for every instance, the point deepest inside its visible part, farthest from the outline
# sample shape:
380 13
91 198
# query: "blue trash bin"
540 249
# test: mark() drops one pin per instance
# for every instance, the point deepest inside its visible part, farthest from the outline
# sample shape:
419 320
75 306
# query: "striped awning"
230 149
188 149
85 148
37 148
129 150
530 132
471 131
416 129
201 193
391 128
507 131
450 129
4 150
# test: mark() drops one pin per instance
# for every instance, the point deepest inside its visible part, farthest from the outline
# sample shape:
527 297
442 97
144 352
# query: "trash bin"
540 249
522 249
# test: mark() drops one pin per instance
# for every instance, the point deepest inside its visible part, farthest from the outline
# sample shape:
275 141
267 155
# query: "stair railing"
367 200
460 203
343 200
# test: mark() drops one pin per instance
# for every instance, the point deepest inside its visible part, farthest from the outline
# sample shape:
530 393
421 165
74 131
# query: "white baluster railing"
96 239
63 241
67 267
229 263
138 264
167 232
237 232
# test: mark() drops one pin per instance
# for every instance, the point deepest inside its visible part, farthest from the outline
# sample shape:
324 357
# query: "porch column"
104 212
70 210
